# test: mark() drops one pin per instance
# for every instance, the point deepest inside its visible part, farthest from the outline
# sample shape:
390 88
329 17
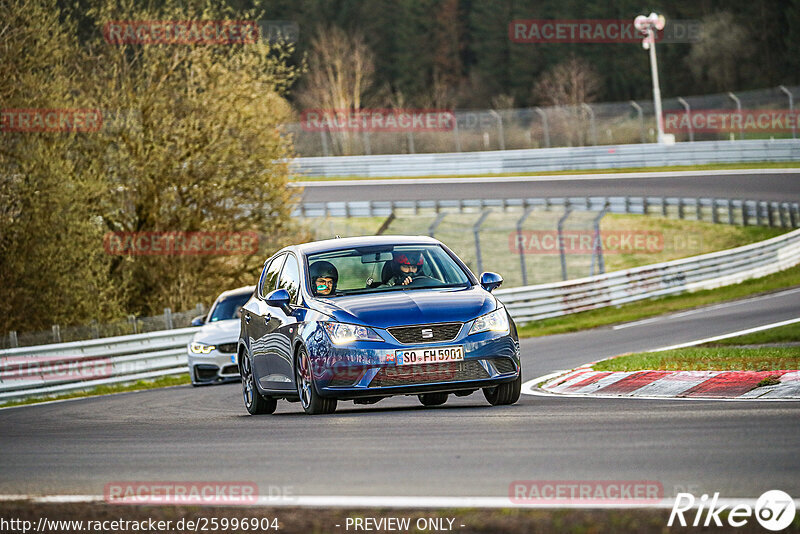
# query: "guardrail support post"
793 214
759 216
745 214
168 318
367 146
545 127
12 339
561 251
680 208
771 214
325 151
520 246
455 133
132 321
410 137
730 212
714 213
664 207
56 333
435 224
597 246
698 209
782 214
95 329
476 229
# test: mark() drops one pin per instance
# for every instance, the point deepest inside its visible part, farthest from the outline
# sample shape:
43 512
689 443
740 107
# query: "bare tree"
569 85
340 71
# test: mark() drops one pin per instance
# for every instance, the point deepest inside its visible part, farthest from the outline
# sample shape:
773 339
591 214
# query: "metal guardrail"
81 365
552 159
707 271
731 211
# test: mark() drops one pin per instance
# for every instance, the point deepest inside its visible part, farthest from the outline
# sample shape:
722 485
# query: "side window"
269 281
290 277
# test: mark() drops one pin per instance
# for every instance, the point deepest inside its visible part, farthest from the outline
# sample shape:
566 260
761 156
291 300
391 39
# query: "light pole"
648 25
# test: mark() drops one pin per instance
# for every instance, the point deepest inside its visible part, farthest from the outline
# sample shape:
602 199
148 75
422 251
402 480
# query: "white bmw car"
212 351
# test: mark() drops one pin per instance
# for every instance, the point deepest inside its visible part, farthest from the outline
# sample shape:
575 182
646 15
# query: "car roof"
237 291
364 241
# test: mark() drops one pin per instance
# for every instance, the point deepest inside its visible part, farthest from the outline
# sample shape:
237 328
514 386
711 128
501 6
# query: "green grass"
783 334
709 167
164 381
706 359
651 308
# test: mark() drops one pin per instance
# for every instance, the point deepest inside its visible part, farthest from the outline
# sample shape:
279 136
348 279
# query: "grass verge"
709 167
651 308
783 334
707 359
161 382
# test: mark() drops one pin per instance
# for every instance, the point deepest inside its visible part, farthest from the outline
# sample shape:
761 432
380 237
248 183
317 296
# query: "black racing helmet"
406 258
320 269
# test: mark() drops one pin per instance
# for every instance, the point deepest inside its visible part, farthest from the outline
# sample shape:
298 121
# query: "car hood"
226 331
409 307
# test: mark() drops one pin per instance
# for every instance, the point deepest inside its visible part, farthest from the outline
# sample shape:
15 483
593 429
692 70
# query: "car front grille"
205 372
230 370
429 373
426 333
504 365
227 348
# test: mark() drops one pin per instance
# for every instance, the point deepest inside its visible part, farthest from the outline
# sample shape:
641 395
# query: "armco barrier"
79 365
707 271
552 159
130 358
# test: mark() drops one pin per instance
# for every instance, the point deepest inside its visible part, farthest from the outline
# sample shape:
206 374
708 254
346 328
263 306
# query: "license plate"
431 355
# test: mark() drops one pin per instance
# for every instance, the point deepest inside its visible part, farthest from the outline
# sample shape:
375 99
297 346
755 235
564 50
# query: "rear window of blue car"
376 269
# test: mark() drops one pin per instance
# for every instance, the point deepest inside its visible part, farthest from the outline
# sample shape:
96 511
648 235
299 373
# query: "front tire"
504 394
432 399
255 403
312 403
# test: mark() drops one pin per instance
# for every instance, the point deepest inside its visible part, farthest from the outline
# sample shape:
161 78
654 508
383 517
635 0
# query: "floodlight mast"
648 25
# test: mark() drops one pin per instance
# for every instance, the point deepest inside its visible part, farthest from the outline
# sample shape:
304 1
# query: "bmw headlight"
341 333
200 348
497 321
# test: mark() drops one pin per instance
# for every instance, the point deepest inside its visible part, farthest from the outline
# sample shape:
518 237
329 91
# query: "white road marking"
401 501
704 309
729 335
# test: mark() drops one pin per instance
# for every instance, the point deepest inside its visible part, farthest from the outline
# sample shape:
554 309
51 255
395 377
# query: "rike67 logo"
774 510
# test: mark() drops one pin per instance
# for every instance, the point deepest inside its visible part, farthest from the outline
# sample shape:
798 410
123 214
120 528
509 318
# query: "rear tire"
504 394
255 403
312 403
432 399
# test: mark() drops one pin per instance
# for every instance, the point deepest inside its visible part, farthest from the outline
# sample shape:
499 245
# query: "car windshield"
228 307
386 268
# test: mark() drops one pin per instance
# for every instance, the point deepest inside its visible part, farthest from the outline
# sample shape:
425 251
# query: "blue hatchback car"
366 318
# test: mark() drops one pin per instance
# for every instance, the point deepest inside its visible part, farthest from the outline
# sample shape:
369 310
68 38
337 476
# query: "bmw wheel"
312 403
503 394
253 400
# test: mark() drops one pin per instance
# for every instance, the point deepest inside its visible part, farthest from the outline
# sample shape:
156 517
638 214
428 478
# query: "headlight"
200 348
497 321
341 333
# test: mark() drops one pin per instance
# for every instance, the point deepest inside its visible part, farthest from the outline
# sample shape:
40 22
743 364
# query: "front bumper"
213 367
368 369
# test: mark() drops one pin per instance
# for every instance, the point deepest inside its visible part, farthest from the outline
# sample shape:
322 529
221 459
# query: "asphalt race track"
778 185
397 447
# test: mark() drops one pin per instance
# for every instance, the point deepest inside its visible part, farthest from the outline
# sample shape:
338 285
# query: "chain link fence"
557 126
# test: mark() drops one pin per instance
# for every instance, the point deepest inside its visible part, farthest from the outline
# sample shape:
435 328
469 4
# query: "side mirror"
279 299
200 320
491 281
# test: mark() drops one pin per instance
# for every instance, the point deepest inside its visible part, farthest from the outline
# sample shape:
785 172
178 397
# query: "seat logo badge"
427 333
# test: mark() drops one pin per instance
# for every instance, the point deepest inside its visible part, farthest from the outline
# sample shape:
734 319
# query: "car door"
282 329
257 317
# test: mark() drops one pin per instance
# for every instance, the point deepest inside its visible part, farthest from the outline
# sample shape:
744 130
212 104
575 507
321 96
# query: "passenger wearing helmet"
323 276
405 267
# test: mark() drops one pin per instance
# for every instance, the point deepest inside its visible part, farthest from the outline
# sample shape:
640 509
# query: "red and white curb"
675 384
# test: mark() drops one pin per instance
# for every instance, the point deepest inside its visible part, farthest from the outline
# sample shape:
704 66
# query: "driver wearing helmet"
323 276
405 267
